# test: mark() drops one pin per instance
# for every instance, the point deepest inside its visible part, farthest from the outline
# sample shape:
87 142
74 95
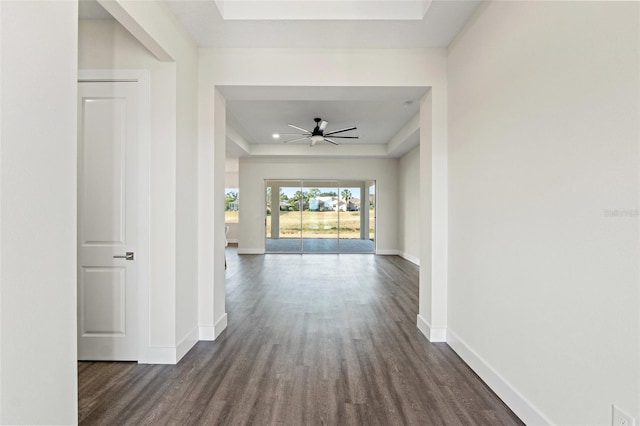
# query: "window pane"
319 218
231 205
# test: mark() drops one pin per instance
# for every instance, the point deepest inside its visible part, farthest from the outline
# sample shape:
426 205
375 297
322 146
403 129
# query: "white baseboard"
410 258
219 326
387 252
186 344
432 334
211 332
250 250
524 409
206 332
159 355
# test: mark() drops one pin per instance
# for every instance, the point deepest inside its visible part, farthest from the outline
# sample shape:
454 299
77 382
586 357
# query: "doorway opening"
320 216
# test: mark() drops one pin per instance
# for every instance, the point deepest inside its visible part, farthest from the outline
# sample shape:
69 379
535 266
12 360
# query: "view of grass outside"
317 224
231 216
329 210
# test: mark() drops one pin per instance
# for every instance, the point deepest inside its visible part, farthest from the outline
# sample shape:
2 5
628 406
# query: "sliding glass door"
319 216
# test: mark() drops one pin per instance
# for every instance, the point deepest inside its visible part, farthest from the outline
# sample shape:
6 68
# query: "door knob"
128 256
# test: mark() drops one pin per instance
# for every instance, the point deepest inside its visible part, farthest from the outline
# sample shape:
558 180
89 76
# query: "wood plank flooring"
312 339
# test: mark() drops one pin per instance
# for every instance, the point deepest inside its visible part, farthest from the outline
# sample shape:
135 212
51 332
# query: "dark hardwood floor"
312 339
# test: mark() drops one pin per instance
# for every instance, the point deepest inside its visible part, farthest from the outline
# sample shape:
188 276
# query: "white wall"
186 55
231 179
38 91
543 133
173 222
254 171
409 205
350 67
156 22
212 316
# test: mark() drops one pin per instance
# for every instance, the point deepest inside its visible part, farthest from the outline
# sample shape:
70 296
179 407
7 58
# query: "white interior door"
107 220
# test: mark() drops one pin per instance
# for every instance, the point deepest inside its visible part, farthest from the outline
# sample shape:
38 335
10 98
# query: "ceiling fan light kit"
315 139
318 134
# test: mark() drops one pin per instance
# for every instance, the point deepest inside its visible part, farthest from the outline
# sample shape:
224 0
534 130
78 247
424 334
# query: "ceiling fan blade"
323 125
331 141
346 137
339 131
293 134
296 139
299 128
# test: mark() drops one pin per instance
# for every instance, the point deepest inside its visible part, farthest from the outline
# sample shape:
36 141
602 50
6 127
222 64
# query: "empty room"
320 212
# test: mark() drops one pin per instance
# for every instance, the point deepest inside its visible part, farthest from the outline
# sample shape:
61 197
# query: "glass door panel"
354 221
284 221
371 205
267 220
319 219
348 207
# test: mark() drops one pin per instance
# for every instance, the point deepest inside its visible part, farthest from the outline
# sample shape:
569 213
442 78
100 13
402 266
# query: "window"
320 216
231 205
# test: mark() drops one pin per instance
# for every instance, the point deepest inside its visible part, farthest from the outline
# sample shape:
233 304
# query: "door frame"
142 78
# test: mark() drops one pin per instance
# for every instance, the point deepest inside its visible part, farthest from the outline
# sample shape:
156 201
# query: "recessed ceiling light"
276 136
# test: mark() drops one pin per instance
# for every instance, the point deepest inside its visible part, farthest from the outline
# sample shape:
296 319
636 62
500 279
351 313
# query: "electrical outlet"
620 418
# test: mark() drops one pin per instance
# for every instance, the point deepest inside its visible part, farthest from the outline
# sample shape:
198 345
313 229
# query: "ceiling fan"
318 134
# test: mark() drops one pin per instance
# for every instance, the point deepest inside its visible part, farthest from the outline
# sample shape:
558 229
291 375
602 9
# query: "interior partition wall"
319 216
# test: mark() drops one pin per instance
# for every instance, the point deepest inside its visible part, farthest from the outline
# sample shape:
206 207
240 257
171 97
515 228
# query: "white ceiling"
442 21
322 9
255 113
377 121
